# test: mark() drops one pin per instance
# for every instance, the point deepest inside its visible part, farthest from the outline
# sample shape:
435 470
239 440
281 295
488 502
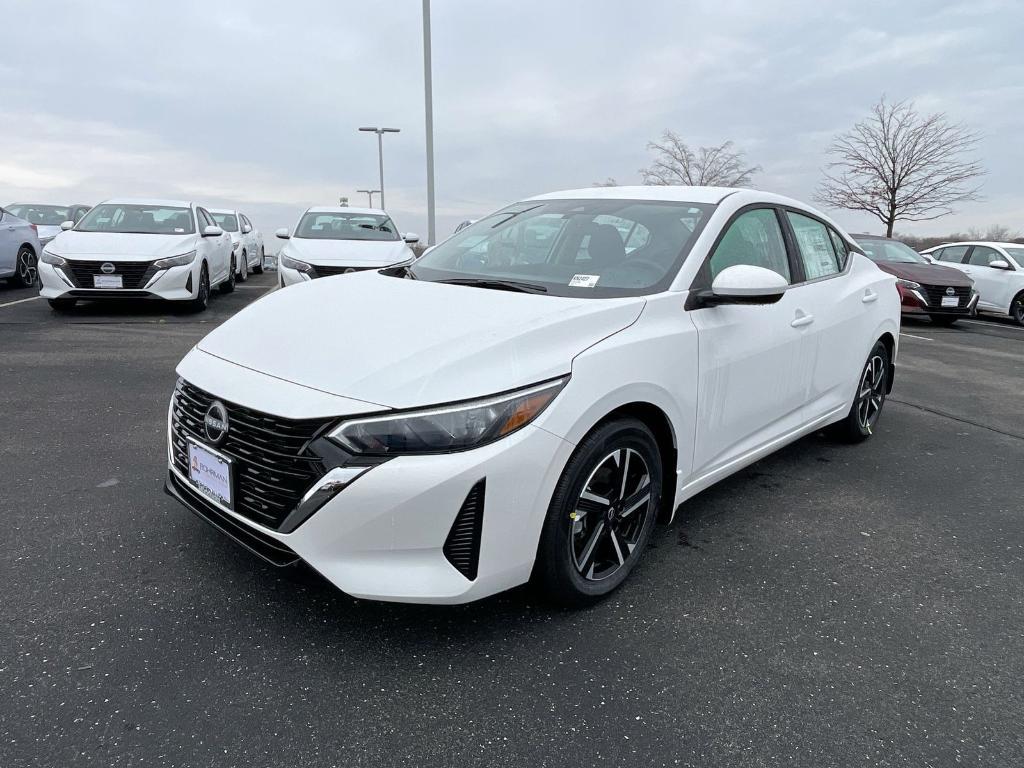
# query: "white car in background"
48 218
334 241
153 249
246 241
997 270
499 410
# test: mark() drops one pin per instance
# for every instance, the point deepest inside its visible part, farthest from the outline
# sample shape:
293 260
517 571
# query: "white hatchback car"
334 241
997 270
141 249
530 395
246 241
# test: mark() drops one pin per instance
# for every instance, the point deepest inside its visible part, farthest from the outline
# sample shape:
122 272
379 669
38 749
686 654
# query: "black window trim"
796 249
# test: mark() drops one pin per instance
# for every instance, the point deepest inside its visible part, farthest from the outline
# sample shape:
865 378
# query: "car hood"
404 343
927 274
47 231
355 253
113 246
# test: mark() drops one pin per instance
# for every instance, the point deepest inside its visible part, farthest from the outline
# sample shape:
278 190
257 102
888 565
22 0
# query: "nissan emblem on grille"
107 268
950 291
216 422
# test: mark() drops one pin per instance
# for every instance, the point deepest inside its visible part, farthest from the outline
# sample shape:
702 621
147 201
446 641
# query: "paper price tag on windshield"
584 281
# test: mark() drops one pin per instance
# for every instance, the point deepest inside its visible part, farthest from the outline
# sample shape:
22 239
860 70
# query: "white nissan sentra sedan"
526 399
140 249
335 241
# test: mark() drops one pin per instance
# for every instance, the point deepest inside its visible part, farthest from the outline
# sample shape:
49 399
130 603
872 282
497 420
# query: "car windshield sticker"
584 281
178 229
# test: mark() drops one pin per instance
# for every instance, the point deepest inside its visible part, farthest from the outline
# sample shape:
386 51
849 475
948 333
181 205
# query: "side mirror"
746 284
213 231
282 233
928 257
246 229
999 264
411 237
66 225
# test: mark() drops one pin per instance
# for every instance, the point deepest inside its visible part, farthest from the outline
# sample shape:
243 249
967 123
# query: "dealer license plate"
210 473
107 281
950 301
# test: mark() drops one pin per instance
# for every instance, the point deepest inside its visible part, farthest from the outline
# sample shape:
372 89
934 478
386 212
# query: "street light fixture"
369 195
380 154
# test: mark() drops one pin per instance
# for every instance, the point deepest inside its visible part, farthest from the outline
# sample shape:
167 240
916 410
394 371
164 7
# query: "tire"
62 305
26 272
243 273
583 558
868 399
1017 309
202 299
258 269
229 285
944 320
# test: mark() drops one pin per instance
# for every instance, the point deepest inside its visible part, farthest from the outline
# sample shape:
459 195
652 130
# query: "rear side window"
754 238
817 252
953 253
841 248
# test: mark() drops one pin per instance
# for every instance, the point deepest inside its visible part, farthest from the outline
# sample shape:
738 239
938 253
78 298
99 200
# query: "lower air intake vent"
462 547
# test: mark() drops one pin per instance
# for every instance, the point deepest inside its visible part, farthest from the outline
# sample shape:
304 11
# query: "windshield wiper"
499 285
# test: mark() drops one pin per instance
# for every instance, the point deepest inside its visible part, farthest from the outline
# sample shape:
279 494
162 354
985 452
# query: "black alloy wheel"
1017 308
861 421
202 299
26 272
229 284
243 273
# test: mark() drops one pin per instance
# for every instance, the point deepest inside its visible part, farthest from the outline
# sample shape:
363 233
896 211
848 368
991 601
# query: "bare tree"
676 164
609 182
898 165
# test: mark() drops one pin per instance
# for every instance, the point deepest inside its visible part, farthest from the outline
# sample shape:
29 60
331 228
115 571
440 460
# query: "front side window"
43 215
346 226
589 248
138 219
817 252
755 239
982 256
954 253
226 221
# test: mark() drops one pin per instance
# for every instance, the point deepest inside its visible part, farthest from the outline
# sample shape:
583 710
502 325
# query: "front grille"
134 274
462 547
272 468
936 293
320 270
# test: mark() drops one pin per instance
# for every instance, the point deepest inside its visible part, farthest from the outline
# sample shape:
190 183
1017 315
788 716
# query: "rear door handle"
869 296
801 320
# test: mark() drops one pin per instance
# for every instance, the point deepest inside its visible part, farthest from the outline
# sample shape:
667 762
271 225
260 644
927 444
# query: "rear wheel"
202 299
62 305
243 272
26 271
602 513
258 269
944 320
1017 308
229 285
860 422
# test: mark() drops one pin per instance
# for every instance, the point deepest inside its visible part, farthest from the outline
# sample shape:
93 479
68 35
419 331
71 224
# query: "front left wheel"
602 513
229 284
258 269
1017 308
243 273
860 422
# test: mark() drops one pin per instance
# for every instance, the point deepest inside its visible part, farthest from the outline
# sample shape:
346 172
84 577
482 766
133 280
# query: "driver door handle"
869 296
802 319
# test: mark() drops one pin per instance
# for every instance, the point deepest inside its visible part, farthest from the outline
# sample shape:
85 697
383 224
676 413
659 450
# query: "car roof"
222 210
669 194
339 209
147 201
990 243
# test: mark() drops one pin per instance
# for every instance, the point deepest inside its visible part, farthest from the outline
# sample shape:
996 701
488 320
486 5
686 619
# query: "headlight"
52 259
301 266
907 283
176 261
443 430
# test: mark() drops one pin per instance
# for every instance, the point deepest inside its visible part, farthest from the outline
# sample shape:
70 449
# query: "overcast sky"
255 104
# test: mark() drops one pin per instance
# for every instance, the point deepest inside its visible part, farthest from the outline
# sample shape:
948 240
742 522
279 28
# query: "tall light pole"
380 154
369 196
429 110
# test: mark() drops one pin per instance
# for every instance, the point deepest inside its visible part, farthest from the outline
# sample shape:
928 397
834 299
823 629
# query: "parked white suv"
138 249
997 270
520 403
246 241
334 241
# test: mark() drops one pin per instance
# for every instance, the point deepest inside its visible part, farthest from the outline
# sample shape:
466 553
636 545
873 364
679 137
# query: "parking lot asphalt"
831 605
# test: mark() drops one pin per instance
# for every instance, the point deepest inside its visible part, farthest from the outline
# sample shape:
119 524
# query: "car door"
248 238
219 247
9 242
838 312
992 285
753 360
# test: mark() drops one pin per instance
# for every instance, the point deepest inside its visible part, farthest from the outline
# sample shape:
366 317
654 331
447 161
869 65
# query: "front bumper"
383 536
914 302
170 284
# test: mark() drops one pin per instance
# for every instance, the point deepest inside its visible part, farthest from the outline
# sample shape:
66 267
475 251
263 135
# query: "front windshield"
44 215
138 219
346 226
226 221
890 250
592 248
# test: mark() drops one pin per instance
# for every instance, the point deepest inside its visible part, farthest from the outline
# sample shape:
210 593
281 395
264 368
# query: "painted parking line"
993 325
922 338
20 301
